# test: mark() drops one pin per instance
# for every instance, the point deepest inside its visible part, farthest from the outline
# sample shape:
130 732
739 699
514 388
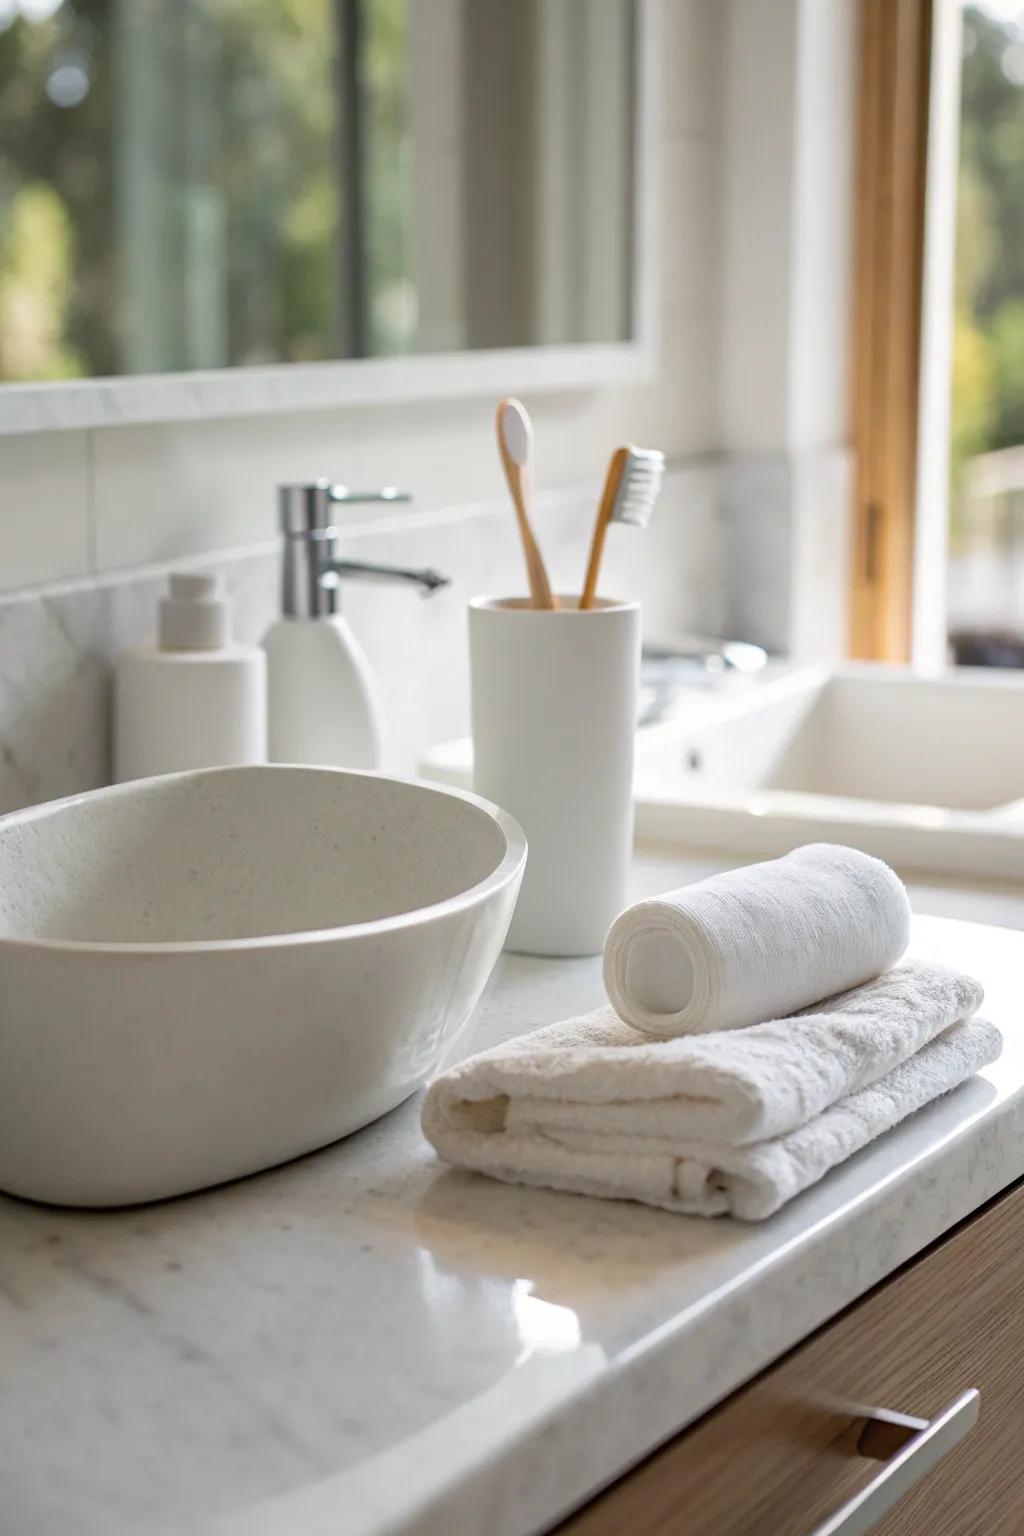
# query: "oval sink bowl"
210 973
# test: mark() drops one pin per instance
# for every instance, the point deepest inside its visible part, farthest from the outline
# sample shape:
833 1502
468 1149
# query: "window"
938 429
985 570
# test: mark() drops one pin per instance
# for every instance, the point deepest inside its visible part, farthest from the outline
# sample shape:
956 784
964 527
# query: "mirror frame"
293 387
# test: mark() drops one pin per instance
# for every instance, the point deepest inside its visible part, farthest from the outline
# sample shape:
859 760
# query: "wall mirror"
289 192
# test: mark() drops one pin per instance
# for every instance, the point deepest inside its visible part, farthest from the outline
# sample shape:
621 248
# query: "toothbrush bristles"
639 487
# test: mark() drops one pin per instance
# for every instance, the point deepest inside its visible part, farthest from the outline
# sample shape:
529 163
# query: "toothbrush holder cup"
554 709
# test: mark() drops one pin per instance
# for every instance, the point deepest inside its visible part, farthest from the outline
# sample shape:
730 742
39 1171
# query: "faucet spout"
427 579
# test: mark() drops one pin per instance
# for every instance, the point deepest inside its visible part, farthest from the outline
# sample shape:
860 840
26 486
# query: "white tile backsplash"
785 533
757 520
176 490
44 508
180 489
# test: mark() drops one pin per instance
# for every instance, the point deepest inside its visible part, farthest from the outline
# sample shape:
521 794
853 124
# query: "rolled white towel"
756 943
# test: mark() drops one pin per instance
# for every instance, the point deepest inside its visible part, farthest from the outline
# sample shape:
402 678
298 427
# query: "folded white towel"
597 1075
591 1106
756 943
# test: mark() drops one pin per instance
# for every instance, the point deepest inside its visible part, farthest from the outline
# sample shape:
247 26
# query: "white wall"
76 504
790 69
788 168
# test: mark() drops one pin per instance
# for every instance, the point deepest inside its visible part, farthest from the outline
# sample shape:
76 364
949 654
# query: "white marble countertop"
362 1342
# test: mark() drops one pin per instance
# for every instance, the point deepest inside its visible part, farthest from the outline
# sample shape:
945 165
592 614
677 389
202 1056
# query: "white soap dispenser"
324 705
195 699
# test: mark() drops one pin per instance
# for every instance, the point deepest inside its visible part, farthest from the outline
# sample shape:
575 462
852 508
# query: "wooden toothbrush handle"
541 595
613 480
540 587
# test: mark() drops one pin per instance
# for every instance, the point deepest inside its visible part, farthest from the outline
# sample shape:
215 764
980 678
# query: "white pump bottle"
195 699
323 703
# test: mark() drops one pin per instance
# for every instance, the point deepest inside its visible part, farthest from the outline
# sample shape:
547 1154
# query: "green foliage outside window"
988 368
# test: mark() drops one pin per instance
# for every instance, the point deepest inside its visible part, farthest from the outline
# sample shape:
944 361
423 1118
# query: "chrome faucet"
312 573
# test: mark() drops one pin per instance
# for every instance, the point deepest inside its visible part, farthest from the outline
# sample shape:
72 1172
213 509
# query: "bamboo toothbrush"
630 490
515 444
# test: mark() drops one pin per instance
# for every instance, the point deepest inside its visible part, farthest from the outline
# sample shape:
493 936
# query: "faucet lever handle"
342 493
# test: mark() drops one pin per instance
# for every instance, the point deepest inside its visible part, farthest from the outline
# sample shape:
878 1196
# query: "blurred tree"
188 153
38 150
1007 346
973 366
988 360
974 389
35 288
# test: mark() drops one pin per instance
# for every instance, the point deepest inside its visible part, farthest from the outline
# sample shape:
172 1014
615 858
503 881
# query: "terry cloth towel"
756 943
592 1107
597 1076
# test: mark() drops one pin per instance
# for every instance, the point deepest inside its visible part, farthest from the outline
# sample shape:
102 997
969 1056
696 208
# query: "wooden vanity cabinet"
785 1455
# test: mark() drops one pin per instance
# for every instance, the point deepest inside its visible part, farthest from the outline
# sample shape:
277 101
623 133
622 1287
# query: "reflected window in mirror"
199 184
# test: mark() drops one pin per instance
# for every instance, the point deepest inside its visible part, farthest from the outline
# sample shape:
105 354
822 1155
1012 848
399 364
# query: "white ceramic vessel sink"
927 773
206 974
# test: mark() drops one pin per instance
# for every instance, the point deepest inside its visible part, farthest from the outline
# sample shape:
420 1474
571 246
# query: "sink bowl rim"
508 869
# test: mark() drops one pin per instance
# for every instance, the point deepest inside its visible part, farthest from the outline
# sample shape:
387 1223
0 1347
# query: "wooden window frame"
892 143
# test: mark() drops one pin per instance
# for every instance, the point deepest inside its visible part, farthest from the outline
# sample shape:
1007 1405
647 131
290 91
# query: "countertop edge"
685 1369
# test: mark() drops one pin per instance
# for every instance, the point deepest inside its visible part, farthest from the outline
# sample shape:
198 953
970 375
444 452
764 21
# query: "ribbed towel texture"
756 943
741 1118
593 1106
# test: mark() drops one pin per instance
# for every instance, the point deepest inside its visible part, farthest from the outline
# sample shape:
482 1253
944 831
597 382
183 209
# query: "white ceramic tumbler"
554 705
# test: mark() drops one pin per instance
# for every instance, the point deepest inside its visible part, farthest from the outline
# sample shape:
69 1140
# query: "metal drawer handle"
925 1442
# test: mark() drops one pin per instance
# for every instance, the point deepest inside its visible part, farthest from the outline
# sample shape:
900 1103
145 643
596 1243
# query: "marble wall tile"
53 696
